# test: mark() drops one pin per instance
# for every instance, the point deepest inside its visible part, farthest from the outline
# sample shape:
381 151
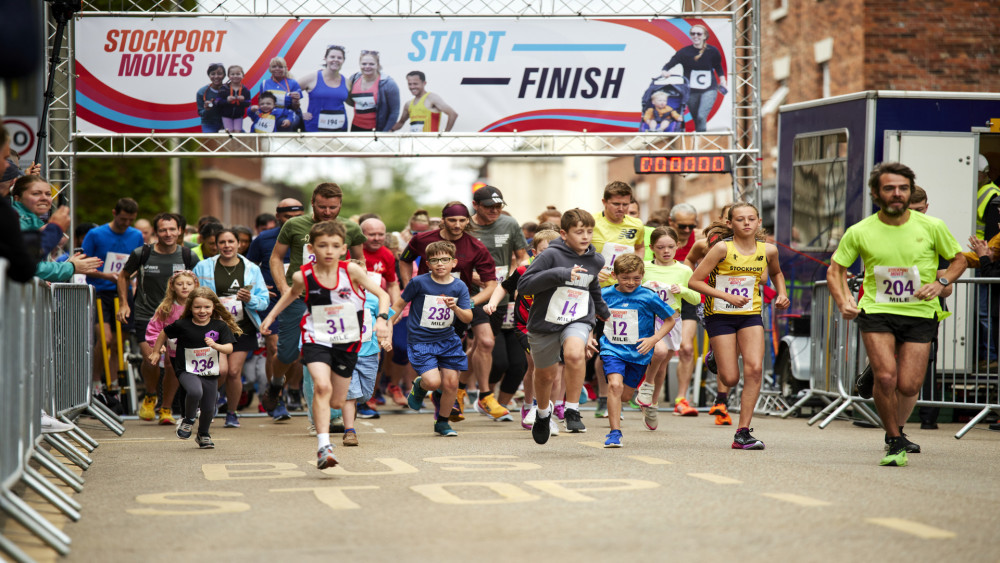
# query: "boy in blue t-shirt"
435 351
630 334
266 118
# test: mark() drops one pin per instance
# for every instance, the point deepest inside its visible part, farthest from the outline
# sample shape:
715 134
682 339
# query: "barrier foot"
826 410
866 412
81 437
34 522
67 450
972 423
843 406
13 551
104 408
797 406
99 412
49 492
56 468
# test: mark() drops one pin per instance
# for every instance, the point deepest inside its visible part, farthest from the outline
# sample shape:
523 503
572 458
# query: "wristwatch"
943 281
383 316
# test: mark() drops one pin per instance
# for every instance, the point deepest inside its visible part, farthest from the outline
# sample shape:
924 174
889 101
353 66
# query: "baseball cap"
488 195
11 171
983 163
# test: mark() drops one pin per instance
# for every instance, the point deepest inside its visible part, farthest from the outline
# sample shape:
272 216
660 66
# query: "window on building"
819 185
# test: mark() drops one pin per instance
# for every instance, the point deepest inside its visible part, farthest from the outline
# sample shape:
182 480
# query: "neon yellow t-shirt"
614 239
656 277
898 260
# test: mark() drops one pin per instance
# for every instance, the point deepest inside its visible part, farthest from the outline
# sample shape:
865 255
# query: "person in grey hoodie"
567 302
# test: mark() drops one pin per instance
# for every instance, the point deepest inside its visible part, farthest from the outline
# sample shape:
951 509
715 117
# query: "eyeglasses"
366 52
340 48
433 261
687 227
697 34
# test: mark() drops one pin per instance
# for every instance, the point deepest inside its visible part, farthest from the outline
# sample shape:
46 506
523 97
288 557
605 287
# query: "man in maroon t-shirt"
472 256
379 260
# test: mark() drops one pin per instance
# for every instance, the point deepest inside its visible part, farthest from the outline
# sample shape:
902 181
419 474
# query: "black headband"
290 208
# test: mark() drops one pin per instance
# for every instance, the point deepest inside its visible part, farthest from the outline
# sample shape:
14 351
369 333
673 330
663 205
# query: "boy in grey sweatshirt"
567 301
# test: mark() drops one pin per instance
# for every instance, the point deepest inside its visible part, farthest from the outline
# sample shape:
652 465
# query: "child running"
365 371
629 336
669 279
736 267
434 349
567 302
179 287
205 333
331 325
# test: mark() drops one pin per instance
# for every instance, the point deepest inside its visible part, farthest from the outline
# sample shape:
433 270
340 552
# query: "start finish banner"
497 75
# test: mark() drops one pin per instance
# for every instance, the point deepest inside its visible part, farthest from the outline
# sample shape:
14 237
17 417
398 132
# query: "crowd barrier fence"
46 342
961 374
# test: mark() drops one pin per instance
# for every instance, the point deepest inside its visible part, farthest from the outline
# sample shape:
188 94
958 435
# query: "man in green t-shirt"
899 311
294 235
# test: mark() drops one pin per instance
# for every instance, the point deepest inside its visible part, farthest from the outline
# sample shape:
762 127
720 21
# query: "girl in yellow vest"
736 267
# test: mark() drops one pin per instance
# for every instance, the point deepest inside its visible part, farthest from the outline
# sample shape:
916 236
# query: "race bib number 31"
336 324
896 284
201 361
622 327
567 305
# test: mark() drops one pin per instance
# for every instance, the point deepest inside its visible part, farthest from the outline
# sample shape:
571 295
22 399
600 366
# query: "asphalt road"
492 493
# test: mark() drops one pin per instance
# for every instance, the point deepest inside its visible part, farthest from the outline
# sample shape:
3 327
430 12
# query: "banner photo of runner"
181 75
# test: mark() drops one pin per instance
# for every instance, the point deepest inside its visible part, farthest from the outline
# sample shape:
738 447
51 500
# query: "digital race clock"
683 164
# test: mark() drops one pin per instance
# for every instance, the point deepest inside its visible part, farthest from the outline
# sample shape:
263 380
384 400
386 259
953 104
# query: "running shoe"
560 411
489 406
337 425
269 398
896 457
528 416
311 429
744 441
350 437
583 396
373 402
684 408
602 408
325 458
614 439
721 413
280 413
294 400
442 428
166 417
710 363
232 421
366 411
397 395
147 410
458 411
644 395
416 397
865 385
650 415
204 441
911 448
553 426
540 430
184 428
221 404
573 422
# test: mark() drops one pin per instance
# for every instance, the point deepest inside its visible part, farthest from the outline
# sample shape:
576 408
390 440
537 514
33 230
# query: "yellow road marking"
922 531
717 479
651 460
797 499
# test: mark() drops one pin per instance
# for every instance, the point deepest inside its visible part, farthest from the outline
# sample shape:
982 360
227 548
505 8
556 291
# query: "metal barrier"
961 375
45 364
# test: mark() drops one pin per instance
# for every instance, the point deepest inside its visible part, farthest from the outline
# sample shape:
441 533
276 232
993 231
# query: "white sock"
542 413
573 406
324 439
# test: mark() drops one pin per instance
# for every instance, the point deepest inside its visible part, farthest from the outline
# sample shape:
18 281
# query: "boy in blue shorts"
435 351
629 336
